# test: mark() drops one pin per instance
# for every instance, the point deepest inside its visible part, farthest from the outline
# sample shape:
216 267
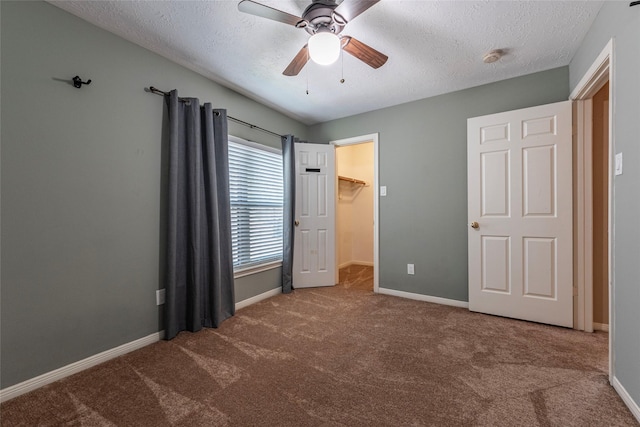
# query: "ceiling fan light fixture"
324 48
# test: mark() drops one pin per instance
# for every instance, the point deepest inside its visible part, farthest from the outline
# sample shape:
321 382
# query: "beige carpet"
344 356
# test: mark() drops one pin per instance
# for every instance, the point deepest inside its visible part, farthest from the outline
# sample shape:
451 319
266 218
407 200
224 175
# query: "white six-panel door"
520 214
314 244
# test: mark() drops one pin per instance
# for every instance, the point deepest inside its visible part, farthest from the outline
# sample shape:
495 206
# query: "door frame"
600 72
374 137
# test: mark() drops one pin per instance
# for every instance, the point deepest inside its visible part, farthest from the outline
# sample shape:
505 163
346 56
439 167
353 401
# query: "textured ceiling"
434 47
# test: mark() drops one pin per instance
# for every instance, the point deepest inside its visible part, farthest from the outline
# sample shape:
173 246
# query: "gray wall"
423 163
81 174
617 20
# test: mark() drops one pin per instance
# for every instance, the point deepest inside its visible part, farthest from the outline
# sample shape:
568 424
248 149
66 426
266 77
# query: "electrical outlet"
160 296
410 269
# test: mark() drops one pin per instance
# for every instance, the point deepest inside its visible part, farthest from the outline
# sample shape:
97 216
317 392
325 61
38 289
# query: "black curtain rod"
233 119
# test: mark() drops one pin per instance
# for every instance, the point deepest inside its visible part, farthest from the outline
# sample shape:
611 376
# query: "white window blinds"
255 184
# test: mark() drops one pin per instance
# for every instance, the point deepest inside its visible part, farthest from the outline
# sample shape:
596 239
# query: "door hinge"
575 291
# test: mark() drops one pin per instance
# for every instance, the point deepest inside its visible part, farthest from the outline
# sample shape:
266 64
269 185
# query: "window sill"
256 269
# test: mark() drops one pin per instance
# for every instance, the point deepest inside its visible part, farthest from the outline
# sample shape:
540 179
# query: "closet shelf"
353 180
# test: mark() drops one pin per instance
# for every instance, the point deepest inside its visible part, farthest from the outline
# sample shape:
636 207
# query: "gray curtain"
289 182
199 265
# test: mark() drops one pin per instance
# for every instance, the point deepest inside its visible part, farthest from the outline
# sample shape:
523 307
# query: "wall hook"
77 82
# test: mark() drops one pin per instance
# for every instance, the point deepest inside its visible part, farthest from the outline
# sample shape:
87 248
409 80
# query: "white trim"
600 71
258 298
610 211
373 137
626 398
248 271
600 327
363 263
256 145
426 298
75 367
350 263
584 214
596 76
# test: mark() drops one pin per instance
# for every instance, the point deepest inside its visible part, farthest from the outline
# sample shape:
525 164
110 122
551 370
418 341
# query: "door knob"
475 225
296 223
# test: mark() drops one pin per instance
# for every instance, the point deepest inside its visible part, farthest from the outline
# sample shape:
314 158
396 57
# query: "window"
255 184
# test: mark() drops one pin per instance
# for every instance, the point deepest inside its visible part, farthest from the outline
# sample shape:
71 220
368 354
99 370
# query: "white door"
314 244
520 214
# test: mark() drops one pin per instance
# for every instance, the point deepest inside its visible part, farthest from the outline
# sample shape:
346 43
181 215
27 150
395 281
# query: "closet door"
314 244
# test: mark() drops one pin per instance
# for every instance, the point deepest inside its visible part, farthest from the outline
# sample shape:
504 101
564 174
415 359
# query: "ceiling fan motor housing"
319 18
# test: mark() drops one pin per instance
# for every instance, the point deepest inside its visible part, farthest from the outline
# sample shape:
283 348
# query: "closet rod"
355 181
233 119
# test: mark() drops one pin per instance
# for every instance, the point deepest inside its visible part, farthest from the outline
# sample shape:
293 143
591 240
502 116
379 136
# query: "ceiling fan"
324 20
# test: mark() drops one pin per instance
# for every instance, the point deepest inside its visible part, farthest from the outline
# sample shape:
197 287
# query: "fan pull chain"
306 71
341 66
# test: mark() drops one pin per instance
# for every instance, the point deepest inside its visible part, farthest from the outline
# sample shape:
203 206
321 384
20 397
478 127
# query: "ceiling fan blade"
257 9
363 52
298 62
349 9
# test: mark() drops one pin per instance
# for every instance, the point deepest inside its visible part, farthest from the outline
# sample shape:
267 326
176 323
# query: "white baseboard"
73 368
626 398
426 298
258 298
601 327
350 263
365 263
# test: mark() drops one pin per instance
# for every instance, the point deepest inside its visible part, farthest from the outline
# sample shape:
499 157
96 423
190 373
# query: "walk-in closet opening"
355 215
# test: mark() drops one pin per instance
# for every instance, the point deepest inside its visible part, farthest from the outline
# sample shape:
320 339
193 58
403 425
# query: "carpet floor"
343 356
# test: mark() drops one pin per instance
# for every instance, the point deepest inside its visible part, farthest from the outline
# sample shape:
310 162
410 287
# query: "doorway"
354 214
594 144
357 206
